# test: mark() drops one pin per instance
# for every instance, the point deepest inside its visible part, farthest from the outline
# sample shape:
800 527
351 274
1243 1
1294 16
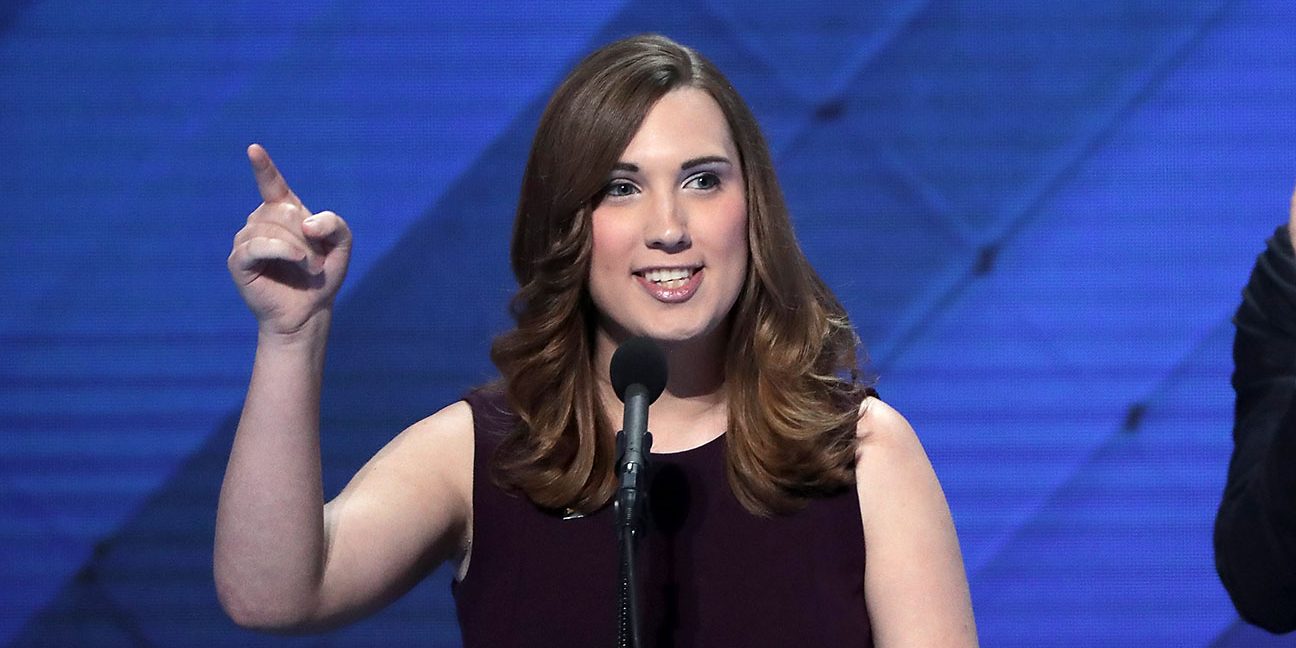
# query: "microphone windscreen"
639 360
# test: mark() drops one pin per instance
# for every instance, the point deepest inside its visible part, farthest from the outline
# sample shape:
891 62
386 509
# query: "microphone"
638 374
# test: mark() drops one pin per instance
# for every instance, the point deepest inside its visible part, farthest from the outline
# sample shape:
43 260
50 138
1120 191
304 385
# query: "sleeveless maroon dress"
711 574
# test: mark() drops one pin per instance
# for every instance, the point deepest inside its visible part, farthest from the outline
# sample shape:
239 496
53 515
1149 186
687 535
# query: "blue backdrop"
1039 214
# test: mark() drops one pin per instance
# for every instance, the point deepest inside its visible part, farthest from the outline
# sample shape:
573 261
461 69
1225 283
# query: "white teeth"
669 275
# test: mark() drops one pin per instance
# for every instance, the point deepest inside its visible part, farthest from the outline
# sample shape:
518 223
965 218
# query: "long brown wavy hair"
791 376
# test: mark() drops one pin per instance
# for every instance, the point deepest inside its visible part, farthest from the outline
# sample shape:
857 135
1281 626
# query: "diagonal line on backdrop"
931 201
848 74
1032 200
1114 436
945 290
1175 58
850 69
52 537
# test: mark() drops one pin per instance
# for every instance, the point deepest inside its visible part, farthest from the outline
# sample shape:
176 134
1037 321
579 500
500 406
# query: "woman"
649 207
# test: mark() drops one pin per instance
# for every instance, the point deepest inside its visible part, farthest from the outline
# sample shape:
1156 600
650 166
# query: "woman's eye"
704 181
619 188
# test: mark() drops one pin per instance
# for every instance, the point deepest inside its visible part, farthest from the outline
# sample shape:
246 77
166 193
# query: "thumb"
327 228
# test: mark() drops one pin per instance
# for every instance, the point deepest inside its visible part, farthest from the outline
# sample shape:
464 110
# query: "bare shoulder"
455 417
450 424
408 510
435 452
914 581
889 459
884 431
418 488
875 413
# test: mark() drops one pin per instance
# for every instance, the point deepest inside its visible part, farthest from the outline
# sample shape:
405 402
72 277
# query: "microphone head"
639 360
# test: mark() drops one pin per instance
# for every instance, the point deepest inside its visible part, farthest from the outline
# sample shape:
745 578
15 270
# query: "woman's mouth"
670 285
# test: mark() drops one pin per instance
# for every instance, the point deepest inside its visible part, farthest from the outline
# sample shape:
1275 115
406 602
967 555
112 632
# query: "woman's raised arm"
283 560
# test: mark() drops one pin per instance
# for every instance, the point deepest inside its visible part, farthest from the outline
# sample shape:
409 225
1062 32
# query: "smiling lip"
673 294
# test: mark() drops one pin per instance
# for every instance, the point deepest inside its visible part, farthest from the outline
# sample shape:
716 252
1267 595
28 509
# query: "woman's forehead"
684 124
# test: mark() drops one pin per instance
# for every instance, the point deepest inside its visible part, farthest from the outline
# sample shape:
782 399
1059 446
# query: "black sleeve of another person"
1255 530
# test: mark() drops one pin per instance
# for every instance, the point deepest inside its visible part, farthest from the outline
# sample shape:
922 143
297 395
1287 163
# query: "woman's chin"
679 335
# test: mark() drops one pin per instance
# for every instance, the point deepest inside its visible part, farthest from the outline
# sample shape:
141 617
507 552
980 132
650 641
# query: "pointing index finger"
271 184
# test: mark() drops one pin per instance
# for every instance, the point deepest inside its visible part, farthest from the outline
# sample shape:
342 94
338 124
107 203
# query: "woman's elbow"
263 612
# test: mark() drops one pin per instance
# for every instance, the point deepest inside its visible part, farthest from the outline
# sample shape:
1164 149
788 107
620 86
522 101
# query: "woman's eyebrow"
631 167
707 159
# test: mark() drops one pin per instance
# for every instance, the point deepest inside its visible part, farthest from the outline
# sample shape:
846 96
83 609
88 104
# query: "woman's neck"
692 410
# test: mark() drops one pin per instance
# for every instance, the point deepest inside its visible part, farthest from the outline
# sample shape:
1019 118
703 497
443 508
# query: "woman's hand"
287 263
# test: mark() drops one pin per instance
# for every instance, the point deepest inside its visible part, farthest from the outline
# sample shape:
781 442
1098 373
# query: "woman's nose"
668 226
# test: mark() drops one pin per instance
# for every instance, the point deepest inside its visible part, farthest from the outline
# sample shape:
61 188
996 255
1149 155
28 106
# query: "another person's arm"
1255 529
914 581
283 560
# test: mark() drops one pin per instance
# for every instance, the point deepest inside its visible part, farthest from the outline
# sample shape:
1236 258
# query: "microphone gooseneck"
638 375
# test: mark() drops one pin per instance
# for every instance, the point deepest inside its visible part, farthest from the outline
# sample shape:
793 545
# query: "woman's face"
670 232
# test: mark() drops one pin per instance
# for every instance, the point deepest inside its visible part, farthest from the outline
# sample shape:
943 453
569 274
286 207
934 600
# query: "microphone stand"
633 444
